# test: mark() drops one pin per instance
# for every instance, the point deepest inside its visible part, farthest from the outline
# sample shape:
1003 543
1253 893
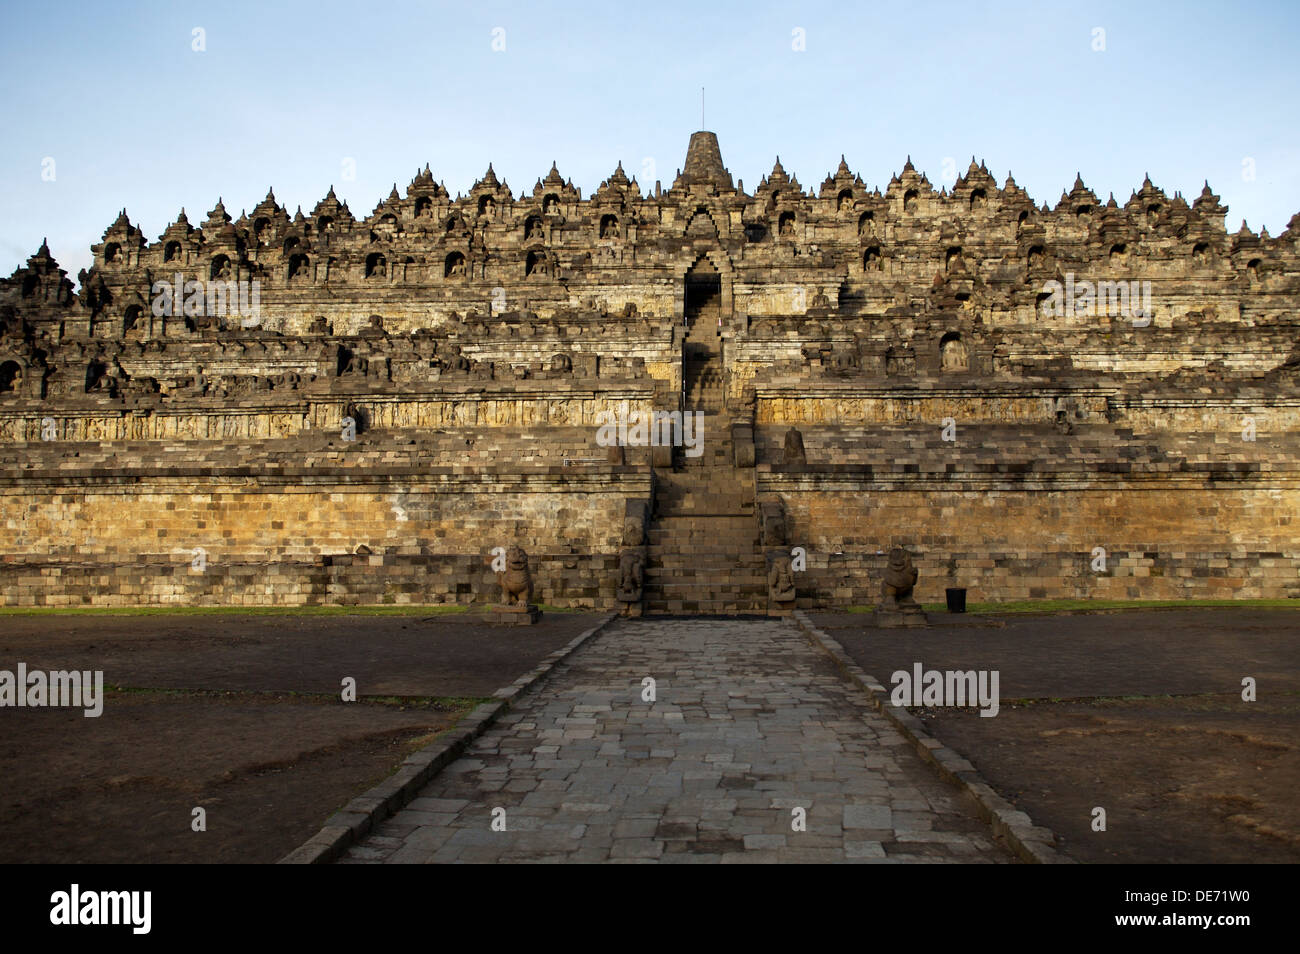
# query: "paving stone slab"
750 721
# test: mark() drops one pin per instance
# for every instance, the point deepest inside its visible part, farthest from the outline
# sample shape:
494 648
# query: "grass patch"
387 609
1012 608
435 609
441 703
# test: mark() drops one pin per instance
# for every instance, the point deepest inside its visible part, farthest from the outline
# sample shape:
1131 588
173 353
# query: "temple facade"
1089 400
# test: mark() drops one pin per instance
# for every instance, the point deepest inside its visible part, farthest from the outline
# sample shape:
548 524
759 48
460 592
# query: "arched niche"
953 353
705 273
133 321
13 375
536 265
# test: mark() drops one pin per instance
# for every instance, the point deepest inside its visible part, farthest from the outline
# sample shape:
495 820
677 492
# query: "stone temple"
1092 400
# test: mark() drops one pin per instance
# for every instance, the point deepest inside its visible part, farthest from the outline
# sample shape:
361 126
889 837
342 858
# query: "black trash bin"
956 599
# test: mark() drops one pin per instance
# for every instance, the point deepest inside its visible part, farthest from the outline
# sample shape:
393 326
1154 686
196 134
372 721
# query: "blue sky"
284 93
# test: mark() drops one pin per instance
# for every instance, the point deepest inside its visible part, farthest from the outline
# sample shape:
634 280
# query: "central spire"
704 161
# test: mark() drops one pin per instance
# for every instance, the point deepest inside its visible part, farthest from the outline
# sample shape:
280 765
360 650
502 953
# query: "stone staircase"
704 555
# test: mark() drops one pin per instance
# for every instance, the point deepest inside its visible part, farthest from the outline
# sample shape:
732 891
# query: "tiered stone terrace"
478 340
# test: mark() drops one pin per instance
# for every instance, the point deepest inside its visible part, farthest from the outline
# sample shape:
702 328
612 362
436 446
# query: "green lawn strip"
1110 700
1091 606
1090 700
441 703
411 609
405 609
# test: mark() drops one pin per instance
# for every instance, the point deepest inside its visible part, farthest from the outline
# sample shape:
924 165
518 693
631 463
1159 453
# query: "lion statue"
516 582
631 575
780 580
899 578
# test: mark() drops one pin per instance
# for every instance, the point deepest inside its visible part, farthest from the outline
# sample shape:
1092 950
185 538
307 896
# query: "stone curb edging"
1031 843
364 812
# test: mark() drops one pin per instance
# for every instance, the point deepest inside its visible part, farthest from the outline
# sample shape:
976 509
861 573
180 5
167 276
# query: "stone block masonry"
425 382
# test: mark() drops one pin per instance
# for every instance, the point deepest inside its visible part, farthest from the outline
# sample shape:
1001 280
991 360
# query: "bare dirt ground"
1139 713
1136 712
238 715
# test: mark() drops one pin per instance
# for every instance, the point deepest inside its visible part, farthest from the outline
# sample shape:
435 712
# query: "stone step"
703 482
724 525
693 534
703 594
701 546
686 485
718 500
701 472
684 514
671 504
702 538
700 550
705 608
697 556
714 442
704 470
728 508
703 553
690 532
704 603
669 561
730 604
714 447
716 454
741 577
731 507
745 580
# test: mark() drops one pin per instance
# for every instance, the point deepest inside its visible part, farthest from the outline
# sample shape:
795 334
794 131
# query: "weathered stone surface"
515 580
1014 384
897 607
631 577
780 583
754 747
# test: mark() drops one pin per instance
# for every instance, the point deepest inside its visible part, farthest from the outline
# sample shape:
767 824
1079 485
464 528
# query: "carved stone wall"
1118 375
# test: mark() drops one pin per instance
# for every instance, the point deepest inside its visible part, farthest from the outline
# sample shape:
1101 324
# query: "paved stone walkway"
749 722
